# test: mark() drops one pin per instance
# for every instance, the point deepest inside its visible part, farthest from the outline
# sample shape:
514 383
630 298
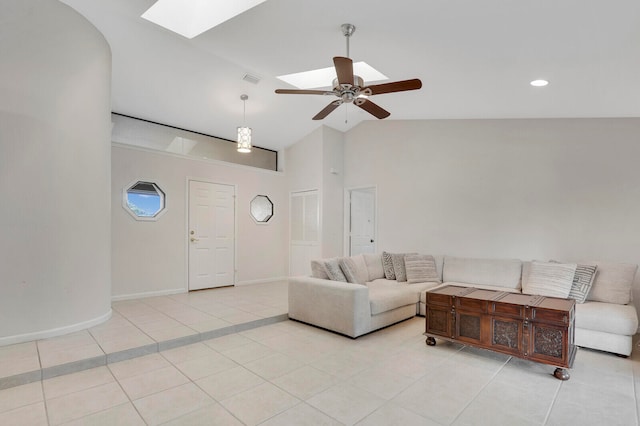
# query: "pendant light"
244 132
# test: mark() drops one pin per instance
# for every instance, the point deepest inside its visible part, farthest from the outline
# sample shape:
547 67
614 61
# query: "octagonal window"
144 200
261 209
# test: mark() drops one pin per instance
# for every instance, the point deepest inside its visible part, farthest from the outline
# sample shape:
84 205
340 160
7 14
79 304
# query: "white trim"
201 160
346 241
148 294
53 332
261 281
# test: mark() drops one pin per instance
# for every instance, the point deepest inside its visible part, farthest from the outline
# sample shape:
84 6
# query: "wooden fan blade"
303 92
327 110
344 70
396 86
372 108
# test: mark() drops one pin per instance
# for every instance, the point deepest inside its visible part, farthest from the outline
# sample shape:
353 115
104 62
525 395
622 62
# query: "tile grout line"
481 389
553 403
44 401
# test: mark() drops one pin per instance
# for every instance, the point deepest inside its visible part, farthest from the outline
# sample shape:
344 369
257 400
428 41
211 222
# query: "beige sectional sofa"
605 321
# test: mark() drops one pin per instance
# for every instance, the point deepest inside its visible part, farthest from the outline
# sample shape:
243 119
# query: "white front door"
362 221
211 235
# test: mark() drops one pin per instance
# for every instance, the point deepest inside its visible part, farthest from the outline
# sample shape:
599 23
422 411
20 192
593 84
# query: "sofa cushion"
387 264
491 272
317 270
332 268
607 317
383 299
374 266
361 265
550 279
421 268
613 283
422 289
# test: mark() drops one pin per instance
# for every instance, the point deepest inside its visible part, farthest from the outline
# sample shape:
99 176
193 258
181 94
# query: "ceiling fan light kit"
351 88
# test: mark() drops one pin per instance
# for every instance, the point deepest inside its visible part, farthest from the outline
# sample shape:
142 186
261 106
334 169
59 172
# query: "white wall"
316 163
55 228
333 192
304 162
150 257
565 189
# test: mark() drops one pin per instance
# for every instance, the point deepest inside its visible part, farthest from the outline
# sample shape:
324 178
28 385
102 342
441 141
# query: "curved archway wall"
55 178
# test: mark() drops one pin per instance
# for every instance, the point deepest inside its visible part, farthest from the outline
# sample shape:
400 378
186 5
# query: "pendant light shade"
244 132
244 139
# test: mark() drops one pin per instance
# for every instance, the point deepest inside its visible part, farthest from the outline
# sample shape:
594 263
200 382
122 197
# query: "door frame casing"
186 226
346 243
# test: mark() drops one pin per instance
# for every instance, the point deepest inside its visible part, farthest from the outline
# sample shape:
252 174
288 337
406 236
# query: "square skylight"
324 77
190 18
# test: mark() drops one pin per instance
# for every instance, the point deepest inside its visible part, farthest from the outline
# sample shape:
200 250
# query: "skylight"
190 18
324 77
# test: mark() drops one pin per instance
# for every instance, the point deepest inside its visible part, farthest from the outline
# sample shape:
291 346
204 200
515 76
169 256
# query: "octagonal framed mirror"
261 209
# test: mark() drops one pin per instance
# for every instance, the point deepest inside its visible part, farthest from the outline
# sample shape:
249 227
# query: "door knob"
193 239
371 241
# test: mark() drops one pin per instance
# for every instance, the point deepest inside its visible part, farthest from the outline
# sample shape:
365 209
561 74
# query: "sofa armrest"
337 306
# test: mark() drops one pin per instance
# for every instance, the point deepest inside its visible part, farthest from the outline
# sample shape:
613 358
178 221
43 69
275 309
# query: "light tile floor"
288 373
143 326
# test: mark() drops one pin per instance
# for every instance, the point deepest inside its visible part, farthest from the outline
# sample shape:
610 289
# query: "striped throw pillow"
550 279
582 281
421 268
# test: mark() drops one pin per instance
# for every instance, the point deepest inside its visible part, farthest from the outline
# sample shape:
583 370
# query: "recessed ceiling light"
539 83
190 18
324 77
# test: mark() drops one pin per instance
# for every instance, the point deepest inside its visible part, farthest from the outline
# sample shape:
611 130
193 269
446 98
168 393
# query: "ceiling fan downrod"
347 31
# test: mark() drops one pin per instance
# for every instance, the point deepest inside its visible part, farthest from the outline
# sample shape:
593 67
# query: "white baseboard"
148 294
45 334
262 281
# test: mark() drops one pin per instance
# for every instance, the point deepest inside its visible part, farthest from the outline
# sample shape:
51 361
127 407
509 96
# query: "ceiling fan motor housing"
348 92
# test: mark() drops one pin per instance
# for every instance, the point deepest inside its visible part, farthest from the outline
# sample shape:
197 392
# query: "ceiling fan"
350 88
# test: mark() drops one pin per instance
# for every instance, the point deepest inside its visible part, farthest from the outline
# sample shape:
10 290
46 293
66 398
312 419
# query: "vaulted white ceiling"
475 59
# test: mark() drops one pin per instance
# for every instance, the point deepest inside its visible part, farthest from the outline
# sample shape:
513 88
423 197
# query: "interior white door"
362 221
211 235
305 231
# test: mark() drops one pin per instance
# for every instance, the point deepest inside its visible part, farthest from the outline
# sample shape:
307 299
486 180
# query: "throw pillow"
317 270
332 268
350 270
398 266
582 281
421 268
550 279
613 283
387 265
